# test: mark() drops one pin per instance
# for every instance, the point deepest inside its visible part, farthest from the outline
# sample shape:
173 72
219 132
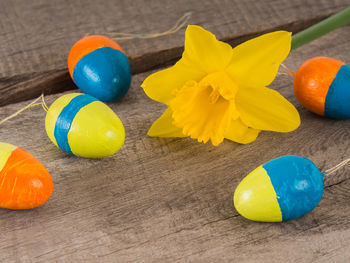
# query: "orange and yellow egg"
24 181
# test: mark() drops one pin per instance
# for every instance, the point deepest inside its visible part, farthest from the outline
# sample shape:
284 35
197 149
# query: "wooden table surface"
163 200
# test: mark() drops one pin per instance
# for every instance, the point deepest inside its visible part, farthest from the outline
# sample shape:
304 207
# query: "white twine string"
336 168
30 105
180 23
290 73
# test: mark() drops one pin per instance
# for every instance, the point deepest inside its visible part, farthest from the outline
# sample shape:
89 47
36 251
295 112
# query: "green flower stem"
321 28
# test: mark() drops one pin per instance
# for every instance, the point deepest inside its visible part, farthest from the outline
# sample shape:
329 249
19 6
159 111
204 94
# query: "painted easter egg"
24 181
100 68
322 85
282 189
84 126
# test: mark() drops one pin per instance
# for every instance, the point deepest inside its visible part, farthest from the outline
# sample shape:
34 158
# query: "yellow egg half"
255 198
84 126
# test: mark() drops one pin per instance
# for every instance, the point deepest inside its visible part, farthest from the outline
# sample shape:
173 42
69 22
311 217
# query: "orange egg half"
86 45
24 181
100 68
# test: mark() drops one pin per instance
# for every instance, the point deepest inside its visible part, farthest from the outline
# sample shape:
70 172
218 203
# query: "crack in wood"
30 85
337 183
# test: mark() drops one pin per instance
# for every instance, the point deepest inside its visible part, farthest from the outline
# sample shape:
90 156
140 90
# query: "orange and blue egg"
82 125
322 85
100 68
24 181
280 190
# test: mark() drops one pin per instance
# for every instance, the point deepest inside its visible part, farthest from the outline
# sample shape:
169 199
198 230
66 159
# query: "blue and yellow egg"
100 68
322 85
84 126
280 190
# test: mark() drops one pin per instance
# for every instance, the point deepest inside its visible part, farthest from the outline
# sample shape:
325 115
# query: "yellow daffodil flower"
215 92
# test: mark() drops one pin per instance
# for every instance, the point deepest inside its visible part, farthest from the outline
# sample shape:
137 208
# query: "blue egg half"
337 104
103 73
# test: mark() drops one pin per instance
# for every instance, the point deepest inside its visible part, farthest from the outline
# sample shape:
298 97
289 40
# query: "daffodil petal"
163 126
160 86
256 62
205 51
266 109
241 133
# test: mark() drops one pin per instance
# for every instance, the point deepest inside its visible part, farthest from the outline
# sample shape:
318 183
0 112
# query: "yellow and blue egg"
100 68
84 126
280 190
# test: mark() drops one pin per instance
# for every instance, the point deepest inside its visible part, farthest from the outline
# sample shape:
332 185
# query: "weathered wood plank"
167 200
35 38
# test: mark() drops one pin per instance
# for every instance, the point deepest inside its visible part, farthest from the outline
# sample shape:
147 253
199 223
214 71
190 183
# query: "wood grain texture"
170 200
35 38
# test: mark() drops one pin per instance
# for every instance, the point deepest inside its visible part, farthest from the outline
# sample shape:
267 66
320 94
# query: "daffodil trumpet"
215 91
